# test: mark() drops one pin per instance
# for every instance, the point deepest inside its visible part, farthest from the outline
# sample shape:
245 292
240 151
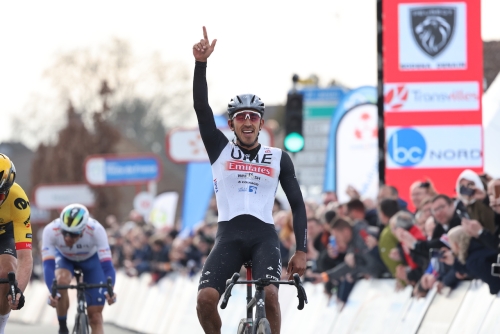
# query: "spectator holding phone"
403 226
358 259
471 193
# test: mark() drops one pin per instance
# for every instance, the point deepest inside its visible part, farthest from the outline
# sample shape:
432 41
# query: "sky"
260 44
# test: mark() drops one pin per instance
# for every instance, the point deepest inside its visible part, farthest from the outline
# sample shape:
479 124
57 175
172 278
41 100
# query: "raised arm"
290 185
213 138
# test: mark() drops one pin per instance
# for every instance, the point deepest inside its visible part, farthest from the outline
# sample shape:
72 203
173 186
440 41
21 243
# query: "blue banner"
198 189
132 170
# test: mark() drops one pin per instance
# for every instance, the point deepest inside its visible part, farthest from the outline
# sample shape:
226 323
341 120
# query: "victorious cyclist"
15 238
75 240
245 177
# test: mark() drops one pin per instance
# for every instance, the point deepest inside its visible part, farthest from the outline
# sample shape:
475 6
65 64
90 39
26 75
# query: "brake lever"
53 289
11 276
229 287
301 293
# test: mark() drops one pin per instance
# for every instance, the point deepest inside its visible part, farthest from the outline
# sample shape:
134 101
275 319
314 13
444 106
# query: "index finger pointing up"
205 36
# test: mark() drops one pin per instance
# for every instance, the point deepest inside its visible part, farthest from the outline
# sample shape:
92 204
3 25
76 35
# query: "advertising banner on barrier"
433 74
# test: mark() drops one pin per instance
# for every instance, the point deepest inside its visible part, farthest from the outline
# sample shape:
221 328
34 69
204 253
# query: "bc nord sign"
117 170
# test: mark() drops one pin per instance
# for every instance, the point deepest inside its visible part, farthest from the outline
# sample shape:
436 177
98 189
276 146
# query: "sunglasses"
241 116
71 235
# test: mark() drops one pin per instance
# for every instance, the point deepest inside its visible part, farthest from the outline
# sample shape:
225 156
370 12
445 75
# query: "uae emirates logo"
433 28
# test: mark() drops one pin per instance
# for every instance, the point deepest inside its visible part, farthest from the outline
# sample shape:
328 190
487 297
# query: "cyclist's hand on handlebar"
297 264
111 300
53 301
203 49
19 300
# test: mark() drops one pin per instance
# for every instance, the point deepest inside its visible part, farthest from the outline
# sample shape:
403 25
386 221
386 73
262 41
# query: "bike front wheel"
263 327
81 324
245 326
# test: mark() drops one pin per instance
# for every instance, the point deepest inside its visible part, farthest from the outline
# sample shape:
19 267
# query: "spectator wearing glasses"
444 212
471 193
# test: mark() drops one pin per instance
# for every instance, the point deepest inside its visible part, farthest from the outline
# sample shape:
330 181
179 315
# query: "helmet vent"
239 99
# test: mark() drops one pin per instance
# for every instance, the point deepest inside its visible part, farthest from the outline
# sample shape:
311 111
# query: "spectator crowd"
442 241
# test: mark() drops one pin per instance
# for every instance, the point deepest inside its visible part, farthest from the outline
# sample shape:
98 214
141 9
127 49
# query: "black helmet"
245 102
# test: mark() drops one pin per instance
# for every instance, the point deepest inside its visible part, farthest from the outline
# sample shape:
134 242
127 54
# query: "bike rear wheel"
264 327
81 324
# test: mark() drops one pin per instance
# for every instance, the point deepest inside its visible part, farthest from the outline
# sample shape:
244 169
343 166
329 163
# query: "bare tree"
164 87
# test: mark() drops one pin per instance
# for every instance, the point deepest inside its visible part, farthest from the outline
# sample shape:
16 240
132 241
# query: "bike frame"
80 296
80 288
258 300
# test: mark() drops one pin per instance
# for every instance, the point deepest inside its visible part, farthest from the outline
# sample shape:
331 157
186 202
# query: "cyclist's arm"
213 139
48 255
104 252
292 191
21 213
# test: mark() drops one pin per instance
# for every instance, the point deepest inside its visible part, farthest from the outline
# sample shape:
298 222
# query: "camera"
466 191
495 267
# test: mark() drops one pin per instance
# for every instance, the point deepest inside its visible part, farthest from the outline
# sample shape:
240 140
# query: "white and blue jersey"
91 253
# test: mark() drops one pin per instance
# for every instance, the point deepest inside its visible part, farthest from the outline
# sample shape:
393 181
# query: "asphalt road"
18 328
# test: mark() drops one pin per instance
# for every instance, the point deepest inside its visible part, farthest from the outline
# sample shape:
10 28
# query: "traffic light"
294 140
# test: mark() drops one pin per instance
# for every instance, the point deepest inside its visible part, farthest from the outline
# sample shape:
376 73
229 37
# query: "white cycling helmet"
74 218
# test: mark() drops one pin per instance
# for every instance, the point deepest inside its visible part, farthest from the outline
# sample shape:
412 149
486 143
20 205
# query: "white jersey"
246 187
94 240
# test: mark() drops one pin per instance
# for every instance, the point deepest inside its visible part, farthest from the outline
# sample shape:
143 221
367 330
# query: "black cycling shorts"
7 243
242 239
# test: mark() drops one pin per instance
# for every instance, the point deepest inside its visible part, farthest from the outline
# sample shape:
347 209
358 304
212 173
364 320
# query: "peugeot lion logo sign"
433 28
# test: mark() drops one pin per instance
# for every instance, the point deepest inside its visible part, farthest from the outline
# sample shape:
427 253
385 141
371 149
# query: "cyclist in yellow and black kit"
15 238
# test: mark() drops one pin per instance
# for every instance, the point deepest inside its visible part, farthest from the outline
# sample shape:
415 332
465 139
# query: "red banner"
433 74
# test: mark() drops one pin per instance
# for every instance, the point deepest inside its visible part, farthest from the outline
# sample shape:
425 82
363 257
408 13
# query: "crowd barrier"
373 307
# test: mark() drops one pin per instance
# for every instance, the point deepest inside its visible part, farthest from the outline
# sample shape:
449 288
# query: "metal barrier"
373 307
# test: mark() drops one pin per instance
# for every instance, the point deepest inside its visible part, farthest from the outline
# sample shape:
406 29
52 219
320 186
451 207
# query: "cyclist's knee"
63 276
8 263
272 300
207 298
95 315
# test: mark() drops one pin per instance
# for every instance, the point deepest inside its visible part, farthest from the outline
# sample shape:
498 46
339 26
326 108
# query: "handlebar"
301 293
80 286
229 286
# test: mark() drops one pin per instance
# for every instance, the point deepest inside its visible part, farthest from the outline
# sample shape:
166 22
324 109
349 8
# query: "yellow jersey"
15 209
